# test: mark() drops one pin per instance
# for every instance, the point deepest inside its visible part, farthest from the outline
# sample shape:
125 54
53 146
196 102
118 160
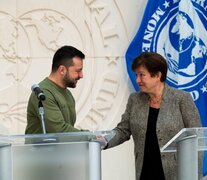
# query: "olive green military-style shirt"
59 107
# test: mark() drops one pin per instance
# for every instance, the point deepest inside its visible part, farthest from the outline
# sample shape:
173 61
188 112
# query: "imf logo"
181 39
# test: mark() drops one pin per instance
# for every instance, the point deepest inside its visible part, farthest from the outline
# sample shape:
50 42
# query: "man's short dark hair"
64 55
153 62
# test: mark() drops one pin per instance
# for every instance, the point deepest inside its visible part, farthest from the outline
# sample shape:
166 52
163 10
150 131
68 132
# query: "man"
59 106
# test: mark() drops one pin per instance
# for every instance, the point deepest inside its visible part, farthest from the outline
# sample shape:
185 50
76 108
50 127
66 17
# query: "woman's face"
145 81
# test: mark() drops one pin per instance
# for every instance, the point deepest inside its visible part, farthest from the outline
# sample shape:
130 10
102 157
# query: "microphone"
39 93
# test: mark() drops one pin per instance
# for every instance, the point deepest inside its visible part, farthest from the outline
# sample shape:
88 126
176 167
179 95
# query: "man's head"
68 64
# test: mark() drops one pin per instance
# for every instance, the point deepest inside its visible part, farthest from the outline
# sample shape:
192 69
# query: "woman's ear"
159 75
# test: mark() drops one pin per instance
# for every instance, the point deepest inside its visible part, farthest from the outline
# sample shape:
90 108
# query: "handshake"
103 137
102 140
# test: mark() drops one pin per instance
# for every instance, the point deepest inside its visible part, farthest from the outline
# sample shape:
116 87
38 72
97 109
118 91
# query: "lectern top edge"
54 137
199 133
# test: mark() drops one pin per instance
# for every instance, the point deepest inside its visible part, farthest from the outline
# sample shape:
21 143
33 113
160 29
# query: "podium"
58 156
187 143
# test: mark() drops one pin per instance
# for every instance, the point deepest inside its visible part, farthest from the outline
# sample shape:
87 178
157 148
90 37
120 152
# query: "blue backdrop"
177 29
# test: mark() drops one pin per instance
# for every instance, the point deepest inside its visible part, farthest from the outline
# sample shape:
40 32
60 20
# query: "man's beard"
69 82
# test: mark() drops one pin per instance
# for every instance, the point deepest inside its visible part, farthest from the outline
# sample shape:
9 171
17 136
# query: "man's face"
74 73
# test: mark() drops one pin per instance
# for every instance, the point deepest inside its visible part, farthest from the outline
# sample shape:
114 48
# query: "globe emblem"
181 32
12 51
184 48
190 48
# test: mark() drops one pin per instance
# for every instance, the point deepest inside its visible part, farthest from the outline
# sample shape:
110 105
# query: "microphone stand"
42 113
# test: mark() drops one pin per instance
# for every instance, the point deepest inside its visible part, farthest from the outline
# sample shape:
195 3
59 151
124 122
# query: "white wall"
31 31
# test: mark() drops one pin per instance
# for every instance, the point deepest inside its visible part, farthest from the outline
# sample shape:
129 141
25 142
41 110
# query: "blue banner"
177 29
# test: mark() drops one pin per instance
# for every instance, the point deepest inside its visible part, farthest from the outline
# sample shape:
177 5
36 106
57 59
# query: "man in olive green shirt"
59 106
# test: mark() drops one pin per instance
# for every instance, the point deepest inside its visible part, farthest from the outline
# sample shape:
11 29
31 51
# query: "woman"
153 116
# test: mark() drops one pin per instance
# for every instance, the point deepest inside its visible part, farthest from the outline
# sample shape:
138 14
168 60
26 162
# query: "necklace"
155 100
